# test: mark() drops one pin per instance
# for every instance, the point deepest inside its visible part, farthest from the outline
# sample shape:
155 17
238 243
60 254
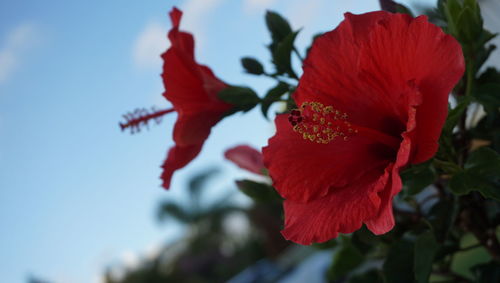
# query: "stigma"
321 124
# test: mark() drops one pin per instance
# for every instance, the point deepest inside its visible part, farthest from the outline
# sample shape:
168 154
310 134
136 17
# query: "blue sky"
76 194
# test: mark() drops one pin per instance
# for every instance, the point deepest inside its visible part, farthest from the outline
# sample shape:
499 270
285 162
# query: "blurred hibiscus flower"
192 89
373 98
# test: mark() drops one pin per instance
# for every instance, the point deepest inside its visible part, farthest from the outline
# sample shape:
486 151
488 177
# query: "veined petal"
303 170
342 211
402 50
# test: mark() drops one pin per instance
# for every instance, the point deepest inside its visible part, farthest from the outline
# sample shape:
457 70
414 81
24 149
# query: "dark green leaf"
462 183
282 55
252 66
425 250
455 114
364 240
394 7
418 177
452 9
488 95
442 216
273 95
371 276
482 173
197 182
398 266
345 260
487 272
257 191
175 211
326 245
243 98
278 26
469 25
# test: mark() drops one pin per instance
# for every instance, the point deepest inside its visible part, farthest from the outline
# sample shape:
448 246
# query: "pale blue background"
76 194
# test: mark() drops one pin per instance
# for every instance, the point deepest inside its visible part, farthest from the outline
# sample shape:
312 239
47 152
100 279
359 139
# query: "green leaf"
272 96
278 26
345 260
455 114
175 211
418 177
364 240
325 245
371 276
487 272
462 183
446 149
488 95
452 9
425 251
243 98
282 55
400 8
398 266
252 66
481 173
197 182
394 7
469 25
442 216
257 191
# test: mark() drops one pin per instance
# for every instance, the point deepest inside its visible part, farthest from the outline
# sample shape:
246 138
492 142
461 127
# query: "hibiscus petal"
188 84
246 157
402 50
383 222
342 211
178 157
303 170
331 76
194 127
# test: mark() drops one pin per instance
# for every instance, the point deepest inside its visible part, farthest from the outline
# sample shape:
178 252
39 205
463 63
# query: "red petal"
383 222
175 17
178 157
331 76
246 157
402 50
342 211
194 127
303 170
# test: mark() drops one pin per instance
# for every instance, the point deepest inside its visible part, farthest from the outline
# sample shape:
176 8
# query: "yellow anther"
321 124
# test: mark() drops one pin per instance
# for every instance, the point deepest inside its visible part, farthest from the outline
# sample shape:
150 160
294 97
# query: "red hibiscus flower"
373 98
192 89
246 157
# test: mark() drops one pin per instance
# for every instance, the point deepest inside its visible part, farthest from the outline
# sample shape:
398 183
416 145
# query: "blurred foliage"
209 252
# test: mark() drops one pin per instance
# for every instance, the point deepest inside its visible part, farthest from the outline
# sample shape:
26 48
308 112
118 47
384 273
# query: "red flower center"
323 124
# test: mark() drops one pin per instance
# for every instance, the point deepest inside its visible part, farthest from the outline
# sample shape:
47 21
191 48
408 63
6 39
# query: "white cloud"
257 5
149 45
18 41
194 19
301 15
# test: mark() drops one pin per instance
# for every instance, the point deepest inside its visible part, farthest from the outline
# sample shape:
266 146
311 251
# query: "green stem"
470 77
298 54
